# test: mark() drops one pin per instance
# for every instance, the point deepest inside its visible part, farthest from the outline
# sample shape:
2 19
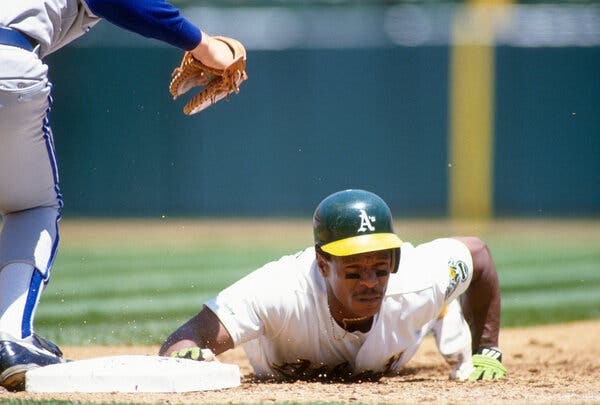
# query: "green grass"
134 297
544 283
131 285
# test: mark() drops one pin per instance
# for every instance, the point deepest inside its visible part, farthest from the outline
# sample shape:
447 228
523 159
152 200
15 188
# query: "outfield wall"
311 121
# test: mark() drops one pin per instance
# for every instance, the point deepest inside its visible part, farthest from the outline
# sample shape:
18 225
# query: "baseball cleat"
18 356
45 344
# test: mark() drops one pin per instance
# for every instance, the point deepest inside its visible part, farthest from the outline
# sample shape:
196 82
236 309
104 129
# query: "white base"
133 373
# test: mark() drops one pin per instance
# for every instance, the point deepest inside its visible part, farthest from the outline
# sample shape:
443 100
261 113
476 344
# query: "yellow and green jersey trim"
362 244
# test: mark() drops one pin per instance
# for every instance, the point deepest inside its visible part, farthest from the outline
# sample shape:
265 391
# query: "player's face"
358 282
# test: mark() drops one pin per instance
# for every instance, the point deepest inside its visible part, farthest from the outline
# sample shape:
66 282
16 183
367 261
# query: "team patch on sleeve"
458 273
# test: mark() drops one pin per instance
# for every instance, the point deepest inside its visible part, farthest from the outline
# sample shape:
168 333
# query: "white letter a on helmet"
365 222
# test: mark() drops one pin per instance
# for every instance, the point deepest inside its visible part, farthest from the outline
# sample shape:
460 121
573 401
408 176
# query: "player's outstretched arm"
204 331
481 308
481 301
216 63
156 19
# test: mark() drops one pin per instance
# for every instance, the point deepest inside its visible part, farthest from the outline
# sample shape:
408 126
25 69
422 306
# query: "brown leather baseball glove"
218 83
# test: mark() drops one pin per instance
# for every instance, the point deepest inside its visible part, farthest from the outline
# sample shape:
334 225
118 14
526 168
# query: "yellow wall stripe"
471 131
472 110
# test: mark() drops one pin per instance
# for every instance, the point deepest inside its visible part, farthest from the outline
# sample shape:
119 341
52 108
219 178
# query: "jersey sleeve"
151 18
259 303
452 267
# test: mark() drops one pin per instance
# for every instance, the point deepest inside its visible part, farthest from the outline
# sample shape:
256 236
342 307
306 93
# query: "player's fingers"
476 375
189 353
194 353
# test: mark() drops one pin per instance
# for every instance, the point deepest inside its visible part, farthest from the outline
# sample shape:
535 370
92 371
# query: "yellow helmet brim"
362 244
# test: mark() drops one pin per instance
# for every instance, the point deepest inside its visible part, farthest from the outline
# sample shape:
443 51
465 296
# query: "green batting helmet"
350 222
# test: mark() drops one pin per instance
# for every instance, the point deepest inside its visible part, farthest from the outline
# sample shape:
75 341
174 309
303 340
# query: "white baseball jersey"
51 23
279 313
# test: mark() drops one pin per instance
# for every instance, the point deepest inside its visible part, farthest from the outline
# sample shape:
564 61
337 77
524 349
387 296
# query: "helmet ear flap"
395 259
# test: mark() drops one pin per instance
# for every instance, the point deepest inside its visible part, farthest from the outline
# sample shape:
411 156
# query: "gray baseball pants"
30 200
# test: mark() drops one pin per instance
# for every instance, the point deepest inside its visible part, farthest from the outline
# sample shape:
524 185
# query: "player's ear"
322 262
396 259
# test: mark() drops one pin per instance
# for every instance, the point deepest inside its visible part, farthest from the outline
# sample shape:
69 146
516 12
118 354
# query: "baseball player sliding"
357 305
30 198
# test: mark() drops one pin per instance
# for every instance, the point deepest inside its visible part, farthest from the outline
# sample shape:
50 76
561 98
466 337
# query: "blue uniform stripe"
53 251
35 288
50 145
49 139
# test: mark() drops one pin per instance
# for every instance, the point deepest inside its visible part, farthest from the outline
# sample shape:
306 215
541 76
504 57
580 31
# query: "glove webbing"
190 67
225 85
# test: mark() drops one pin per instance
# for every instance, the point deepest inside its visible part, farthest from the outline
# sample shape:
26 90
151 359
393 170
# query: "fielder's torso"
280 314
51 23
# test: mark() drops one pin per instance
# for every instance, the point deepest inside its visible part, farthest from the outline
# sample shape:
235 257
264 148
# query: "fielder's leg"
30 205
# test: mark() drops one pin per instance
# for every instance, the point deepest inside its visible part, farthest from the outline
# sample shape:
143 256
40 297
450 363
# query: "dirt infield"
548 364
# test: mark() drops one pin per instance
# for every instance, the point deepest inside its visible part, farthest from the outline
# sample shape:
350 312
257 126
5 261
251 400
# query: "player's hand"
462 371
213 53
487 365
218 64
195 353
